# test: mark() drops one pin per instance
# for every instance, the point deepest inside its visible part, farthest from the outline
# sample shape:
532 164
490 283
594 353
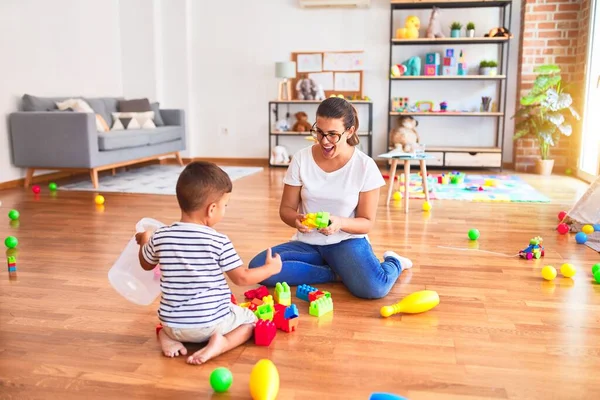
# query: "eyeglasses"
332 137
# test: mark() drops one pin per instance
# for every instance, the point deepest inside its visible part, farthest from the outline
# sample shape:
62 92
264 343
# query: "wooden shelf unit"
467 156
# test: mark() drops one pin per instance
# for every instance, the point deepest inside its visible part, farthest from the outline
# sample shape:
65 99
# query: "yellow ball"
587 229
549 272
426 206
99 199
568 270
397 196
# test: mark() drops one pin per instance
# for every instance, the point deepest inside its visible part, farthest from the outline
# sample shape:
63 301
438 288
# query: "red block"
286 325
257 293
252 307
289 325
312 296
264 332
233 299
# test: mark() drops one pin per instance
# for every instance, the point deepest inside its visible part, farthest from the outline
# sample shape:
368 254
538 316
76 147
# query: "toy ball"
595 268
397 196
473 234
13 215
426 206
99 199
221 379
548 272
264 380
581 238
596 227
568 270
562 215
11 242
563 228
36 189
587 229
52 186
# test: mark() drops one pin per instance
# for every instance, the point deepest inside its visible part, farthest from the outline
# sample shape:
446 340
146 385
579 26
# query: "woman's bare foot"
170 347
216 345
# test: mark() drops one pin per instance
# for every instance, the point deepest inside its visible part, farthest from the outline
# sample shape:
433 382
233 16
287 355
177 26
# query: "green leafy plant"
492 64
456 26
484 64
470 26
543 111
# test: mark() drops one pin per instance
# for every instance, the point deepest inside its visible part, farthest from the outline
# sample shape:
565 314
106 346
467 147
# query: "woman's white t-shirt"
335 192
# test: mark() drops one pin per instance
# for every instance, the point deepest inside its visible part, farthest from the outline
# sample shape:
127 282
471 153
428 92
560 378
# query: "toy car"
534 250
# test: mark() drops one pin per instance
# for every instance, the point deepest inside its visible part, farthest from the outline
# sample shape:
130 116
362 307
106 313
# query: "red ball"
36 189
563 229
562 215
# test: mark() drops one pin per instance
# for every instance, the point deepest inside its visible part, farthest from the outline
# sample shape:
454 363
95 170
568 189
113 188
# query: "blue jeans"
352 260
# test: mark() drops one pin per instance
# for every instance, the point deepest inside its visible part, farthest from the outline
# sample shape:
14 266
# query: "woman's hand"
334 226
298 222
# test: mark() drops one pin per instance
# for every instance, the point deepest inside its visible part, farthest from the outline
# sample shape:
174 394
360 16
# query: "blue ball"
581 238
596 227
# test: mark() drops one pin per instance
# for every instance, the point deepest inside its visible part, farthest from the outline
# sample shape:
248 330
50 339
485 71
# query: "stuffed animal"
302 124
306 88
279 155
410 30
499 32
404 136
434 29
320 95
413 66
398 70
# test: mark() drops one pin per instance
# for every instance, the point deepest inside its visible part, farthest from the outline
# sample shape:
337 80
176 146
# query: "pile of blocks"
320 302
449 64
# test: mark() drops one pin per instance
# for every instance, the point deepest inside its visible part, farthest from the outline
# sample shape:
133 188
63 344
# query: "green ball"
221 379
11 242
52 186
13 215
595 268
473 234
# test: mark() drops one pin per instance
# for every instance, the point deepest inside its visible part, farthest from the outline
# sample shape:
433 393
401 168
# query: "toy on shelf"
486 102
434 29
443 106
399 104
462 64
428 103
264 381
404 135
317 220
534 250
414 303
302 124
397 70
303 290
499 32
321 306
432 64
257 293
413 66
411 28
449 66
282 294
306 89
264 332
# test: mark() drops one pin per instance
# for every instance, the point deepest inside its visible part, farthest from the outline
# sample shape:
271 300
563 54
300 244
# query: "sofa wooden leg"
29 176
94 176
114 171
178 157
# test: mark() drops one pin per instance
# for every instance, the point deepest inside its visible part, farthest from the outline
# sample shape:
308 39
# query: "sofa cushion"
35 103
104 106
158 121
114 140
164 134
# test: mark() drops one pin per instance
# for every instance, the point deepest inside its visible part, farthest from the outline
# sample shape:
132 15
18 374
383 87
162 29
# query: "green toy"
265 311
596 272
413 66
321 306
52 186
283 294
221 379
11 242
13 215
317 220
473 234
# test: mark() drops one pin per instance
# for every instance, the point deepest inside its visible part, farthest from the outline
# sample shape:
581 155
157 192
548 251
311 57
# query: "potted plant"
455 29
493 68
542 114
471 29
484 67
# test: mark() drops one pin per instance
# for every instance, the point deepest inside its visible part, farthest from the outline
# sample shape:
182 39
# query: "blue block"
432 58
12 269
291 312
449 52
303 290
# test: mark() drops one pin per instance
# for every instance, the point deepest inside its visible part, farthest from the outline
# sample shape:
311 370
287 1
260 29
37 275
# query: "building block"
257 302
449 70
312 296
233 299
257 293
449 62
264 332
281 319
432 58
449 52
245 305
462 69
430 70
268 300
283 294
252 306
289 325
12 269
317 220
291 312
303 290
399 104
265 311
321 307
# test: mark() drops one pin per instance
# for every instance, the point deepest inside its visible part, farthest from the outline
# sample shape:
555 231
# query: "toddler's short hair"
201 183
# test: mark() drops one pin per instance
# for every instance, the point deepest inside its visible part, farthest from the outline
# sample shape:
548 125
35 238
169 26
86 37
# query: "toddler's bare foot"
216 345
170 347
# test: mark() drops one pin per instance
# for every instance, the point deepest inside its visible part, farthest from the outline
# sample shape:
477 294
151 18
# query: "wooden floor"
500 331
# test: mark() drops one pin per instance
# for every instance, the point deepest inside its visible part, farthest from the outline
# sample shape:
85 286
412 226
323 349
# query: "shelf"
463 149
314 101
449 78
292 133
426 4
450 114
450 40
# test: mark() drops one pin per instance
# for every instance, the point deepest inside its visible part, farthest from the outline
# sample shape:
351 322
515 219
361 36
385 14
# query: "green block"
265 311
322 219
321 307
12 259
282 292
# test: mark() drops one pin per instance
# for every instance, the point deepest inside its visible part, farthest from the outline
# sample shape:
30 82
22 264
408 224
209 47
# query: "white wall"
55 48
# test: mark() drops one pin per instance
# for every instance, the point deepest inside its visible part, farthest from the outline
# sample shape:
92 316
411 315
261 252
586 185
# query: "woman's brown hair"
338 108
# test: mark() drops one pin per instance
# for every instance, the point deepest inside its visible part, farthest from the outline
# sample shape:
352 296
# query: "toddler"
195 304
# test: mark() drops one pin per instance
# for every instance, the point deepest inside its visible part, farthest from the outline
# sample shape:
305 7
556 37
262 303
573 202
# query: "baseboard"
242 162
52 176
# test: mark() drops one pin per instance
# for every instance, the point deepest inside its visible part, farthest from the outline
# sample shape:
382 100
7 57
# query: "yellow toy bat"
414 303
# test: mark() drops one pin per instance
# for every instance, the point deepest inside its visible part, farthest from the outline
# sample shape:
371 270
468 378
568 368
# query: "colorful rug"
488 188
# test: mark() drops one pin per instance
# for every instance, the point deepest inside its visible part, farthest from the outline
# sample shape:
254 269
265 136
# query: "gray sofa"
43 137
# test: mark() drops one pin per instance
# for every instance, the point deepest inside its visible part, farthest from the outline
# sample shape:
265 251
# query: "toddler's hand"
334 226
142 237
301 228
273 263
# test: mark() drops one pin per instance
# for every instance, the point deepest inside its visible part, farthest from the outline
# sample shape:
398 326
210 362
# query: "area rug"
153 179
503 188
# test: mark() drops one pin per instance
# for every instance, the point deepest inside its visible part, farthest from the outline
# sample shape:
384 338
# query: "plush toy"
302 124
499 32
283 125
306 88
410 30
404 136
434 29
398 70
279 155
413 66
320 94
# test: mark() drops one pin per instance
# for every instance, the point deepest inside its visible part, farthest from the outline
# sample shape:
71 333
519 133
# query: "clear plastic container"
128 277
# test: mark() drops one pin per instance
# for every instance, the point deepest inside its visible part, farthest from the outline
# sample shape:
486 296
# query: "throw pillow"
100 122
80 105
134 105
157 117
133 120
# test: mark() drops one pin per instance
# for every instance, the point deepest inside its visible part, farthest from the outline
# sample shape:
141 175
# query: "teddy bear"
434 30
306 88
302 124
499 32
404 136
410 30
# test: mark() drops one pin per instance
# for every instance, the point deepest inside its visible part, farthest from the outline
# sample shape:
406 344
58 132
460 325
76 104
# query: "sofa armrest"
173 117
53 139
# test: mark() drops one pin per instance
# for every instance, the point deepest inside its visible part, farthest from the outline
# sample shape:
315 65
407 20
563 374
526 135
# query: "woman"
334 176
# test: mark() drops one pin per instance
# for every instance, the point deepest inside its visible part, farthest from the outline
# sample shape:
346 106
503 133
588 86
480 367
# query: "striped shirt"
193 259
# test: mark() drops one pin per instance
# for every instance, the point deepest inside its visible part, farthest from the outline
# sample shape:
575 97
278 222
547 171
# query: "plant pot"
493 71
484 70
544 167
455 33
471 33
